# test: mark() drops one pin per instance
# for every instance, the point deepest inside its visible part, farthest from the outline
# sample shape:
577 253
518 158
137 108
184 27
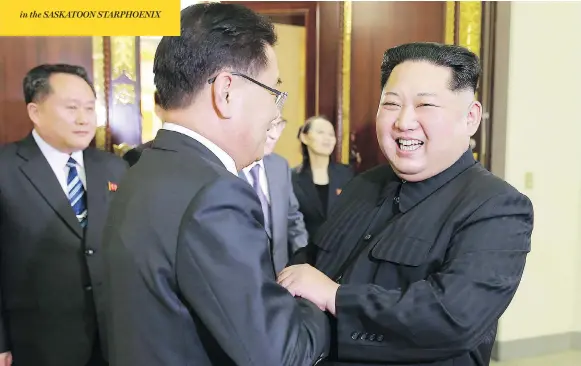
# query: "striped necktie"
77 196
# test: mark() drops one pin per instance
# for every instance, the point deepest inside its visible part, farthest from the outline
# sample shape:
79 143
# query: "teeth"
409 142
409 145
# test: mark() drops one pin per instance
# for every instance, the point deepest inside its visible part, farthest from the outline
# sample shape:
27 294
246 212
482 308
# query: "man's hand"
5 359
307 282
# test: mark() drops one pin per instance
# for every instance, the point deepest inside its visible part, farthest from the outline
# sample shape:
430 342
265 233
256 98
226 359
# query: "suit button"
396 199
355 335
89 252
88 288
372 337
367 237
363 336
380 338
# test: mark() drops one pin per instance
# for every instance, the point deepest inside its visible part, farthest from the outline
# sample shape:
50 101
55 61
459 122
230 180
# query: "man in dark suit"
422 256
271 180
54 195
190 274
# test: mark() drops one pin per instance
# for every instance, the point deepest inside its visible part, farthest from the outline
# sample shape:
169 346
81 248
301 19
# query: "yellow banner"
90 18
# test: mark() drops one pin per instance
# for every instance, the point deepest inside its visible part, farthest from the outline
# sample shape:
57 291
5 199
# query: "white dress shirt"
221 154
262 176
58 162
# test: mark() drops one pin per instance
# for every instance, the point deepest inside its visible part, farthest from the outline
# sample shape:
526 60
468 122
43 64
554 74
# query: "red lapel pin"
112 187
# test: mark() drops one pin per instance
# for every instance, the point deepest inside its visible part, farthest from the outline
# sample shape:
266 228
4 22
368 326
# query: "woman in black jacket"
318 180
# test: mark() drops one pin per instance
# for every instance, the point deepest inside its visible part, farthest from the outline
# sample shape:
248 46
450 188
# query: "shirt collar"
248 168
54 156
220 154
412 193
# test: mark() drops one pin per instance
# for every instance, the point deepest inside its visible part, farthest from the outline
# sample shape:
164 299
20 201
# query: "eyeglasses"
280 97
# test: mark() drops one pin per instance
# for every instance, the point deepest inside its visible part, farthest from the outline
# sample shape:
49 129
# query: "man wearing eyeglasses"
189 272
270 178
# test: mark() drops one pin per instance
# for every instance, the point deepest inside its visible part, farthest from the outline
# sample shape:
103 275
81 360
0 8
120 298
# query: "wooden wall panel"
20 54
377 26
328 68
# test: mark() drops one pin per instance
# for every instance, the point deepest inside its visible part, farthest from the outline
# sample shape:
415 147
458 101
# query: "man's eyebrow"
79 101
422 94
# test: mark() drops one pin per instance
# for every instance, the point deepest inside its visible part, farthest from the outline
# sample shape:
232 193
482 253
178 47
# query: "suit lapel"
37 170
308 186
242 175
97 191
275 190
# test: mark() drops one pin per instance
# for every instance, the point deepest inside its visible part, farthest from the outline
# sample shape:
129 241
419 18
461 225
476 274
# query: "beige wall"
539 112
150 123
291 53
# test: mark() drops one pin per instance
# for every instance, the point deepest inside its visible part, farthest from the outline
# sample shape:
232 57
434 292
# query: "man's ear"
474 117
33 110
221 94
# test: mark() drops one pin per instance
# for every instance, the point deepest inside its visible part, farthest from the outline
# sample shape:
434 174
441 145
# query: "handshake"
305 281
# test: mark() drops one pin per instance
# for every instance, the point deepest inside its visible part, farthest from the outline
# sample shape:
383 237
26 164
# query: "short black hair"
214 37
36 84
464 63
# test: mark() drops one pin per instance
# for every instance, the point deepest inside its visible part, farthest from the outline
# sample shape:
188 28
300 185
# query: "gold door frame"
113 57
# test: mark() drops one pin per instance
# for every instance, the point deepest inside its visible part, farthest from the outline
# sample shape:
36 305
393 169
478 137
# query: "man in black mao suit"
54 196
422 256
190 275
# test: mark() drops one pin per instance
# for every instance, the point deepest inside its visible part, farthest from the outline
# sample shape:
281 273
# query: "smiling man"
422 256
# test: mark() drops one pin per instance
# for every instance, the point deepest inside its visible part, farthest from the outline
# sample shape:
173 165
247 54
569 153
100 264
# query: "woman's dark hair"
305 129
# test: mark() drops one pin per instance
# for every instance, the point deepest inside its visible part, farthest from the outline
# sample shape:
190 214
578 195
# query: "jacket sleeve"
225 273
453 310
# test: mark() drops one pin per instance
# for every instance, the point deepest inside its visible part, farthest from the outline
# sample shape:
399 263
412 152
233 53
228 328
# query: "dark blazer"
51 270
133 155
429 282
190 275
309 203
288 228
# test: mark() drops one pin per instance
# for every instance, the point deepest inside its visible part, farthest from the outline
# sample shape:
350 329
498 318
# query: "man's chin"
407 171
